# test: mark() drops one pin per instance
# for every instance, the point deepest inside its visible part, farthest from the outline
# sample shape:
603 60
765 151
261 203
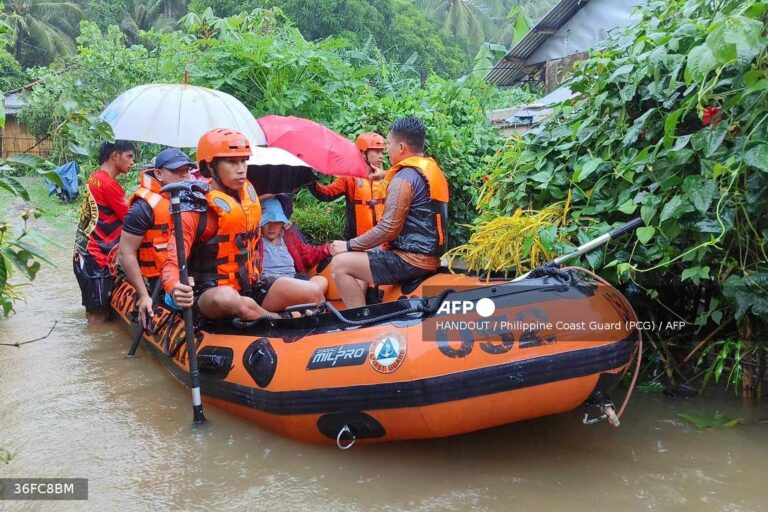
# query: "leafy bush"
671 125
20 252
320 222
417 35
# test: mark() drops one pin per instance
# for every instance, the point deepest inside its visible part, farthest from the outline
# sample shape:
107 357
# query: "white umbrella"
178 114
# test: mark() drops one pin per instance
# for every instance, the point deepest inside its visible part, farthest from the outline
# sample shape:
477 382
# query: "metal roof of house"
13 103
582 32
534 113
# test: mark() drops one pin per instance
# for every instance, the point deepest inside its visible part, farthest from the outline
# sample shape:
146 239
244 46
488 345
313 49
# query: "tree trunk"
753 364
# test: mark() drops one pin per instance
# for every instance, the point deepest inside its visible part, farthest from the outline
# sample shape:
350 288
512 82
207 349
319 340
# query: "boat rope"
420 307
639 345
550 270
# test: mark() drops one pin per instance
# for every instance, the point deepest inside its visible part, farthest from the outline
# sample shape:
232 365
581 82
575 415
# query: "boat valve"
345 436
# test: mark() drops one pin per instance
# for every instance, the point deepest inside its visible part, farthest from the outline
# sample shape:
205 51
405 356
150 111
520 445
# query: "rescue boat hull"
410 377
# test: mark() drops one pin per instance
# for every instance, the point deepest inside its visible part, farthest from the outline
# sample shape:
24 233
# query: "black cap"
172 159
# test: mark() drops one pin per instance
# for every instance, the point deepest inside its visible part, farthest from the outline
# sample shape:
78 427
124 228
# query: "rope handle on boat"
638 356
420 307
345 430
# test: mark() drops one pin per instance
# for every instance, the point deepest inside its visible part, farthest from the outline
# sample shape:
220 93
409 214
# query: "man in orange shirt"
98 232
365 197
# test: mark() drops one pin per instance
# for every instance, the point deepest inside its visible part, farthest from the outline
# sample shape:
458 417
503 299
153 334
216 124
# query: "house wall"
14 138
587 29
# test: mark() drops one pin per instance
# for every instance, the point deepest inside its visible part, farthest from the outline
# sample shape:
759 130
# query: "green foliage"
397 28
134 15
74 91
11 75
319 222
43 29
670 126
18 253
707 421
464 18
502 22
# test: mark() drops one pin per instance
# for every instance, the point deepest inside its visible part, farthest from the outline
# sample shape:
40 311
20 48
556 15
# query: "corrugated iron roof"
13 102
510 68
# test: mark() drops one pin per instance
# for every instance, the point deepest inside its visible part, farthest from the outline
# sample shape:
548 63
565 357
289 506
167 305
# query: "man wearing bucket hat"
222 242
283 253
365 197
144 240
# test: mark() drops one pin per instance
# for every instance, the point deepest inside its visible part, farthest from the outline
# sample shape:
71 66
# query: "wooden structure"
14 137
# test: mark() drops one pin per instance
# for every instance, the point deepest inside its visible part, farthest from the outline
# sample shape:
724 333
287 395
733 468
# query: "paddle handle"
181 258
155 293
591 245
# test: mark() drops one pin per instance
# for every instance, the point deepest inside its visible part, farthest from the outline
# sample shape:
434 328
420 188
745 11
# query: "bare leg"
97 317
223 301
287 291
348 267
320 281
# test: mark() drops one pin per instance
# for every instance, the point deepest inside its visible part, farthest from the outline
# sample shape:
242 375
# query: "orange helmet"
222 142
370 140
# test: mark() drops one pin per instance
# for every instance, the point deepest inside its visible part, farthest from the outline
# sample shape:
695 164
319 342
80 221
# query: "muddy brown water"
73 406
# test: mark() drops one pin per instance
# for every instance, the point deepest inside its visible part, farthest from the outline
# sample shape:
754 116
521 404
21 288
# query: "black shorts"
95 283
388 268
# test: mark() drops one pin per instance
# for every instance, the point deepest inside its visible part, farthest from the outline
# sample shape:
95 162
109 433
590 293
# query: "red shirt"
101 217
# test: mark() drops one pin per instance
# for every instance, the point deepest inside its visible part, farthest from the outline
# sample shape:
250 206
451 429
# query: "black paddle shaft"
194 371
155 293
588 247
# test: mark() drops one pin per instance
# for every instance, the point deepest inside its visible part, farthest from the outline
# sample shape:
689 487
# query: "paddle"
176 190
154 294
587 247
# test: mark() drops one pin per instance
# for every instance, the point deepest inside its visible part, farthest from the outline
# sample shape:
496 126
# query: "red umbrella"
322 148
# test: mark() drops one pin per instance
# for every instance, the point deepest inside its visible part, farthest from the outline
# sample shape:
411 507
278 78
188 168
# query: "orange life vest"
425 227
368 198
154 245
230 257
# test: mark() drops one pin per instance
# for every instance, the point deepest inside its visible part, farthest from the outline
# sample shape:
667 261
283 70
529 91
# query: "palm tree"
496 21
463 18
175 9
42 29
144 15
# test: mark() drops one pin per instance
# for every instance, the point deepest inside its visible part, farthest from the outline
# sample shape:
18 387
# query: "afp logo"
485 307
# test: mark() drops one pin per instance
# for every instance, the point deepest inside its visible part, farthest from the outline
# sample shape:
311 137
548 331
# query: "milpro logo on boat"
387 352
485 307
342 355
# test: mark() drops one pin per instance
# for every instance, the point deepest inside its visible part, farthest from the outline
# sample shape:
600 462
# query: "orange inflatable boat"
439 356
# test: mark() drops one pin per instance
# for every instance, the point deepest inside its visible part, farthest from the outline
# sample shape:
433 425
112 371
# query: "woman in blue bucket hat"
282 252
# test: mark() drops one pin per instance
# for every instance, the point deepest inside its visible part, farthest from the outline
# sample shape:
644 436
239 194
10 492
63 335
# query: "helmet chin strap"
215 176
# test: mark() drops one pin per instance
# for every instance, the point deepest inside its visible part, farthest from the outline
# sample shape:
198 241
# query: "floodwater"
72 405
